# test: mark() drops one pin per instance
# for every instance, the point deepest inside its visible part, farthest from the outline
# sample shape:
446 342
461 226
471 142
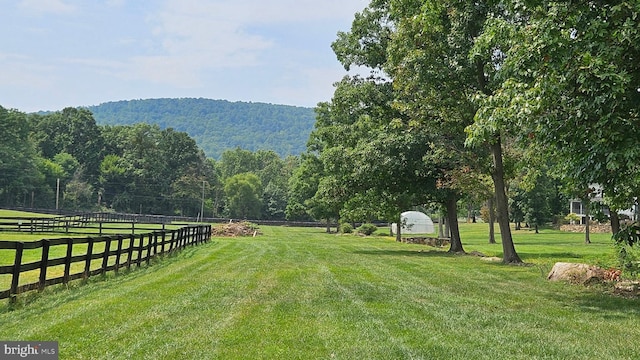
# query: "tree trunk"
615 222
447 229
328 226
587 230
452 220
399 229
510 256
492 220
441 227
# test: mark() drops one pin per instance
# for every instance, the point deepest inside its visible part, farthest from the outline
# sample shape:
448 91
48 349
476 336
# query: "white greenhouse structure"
414 222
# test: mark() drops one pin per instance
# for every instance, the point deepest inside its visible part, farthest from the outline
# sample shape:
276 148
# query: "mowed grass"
297 293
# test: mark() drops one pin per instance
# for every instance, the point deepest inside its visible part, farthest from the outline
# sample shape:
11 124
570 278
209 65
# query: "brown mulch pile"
593 229
236 229
435 242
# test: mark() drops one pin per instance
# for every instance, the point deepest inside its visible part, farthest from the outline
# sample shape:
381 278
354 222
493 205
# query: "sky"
60 53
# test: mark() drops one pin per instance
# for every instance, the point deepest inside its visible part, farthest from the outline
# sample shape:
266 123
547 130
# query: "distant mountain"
218 125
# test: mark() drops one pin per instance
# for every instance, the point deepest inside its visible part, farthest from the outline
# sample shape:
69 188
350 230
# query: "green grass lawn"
296 293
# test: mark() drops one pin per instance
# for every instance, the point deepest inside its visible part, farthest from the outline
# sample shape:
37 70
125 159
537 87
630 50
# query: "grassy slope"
302 294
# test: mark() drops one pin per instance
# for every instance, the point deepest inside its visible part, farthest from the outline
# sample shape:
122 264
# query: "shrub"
367 229
627 242
346 228
573 218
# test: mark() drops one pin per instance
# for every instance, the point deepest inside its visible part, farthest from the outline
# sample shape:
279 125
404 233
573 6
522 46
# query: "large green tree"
570 84
19 174
302 186
390 39
243 193
73 131
423 47
438 69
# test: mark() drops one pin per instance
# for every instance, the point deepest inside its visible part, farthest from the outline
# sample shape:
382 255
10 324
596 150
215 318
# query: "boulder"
583 274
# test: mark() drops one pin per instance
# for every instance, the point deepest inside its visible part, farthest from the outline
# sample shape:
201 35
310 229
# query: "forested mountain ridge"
218 125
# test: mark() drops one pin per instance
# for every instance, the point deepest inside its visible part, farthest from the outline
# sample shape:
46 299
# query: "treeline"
217 125
521 105
65 160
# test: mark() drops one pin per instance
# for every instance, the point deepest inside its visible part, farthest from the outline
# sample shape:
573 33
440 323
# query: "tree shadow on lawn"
419 253
601 300
551 255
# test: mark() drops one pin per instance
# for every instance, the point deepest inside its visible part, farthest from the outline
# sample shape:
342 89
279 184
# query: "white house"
577 207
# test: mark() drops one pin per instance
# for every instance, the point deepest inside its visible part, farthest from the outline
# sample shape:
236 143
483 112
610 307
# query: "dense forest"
217 125
64 160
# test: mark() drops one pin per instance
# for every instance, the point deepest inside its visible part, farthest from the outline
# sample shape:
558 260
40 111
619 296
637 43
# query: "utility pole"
57 192
202 204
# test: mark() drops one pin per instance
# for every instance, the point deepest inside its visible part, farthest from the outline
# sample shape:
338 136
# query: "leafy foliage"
218 125
367 229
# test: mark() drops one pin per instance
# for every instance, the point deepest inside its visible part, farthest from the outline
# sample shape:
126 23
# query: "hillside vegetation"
217 125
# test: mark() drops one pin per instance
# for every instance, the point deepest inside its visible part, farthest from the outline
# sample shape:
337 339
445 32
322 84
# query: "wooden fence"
85 257
81 223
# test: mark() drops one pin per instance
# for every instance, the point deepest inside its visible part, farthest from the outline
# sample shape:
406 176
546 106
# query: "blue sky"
59 53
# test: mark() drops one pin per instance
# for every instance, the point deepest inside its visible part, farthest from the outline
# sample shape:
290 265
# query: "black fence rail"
63 260
76 222
82 223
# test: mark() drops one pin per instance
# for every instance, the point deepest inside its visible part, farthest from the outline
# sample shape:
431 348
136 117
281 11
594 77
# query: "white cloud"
23 71
250 50
47 6
115 3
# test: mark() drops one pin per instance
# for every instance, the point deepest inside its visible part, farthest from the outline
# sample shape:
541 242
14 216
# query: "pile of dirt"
435 242
593 228
236 229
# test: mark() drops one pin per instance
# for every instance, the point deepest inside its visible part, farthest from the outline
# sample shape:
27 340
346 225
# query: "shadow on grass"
602 301
552 255
419 253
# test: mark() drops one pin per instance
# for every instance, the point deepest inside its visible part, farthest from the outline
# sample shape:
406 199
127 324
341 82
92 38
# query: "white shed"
414 222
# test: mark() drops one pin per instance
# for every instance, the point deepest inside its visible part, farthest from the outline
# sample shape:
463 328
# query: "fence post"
67 261
15 279
149 246
140 250
105 256
155 243
164 236
132 240
173 239
119 252
44 262
87 263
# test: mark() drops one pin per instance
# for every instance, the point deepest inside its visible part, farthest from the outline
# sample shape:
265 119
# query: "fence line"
109 217
111 252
